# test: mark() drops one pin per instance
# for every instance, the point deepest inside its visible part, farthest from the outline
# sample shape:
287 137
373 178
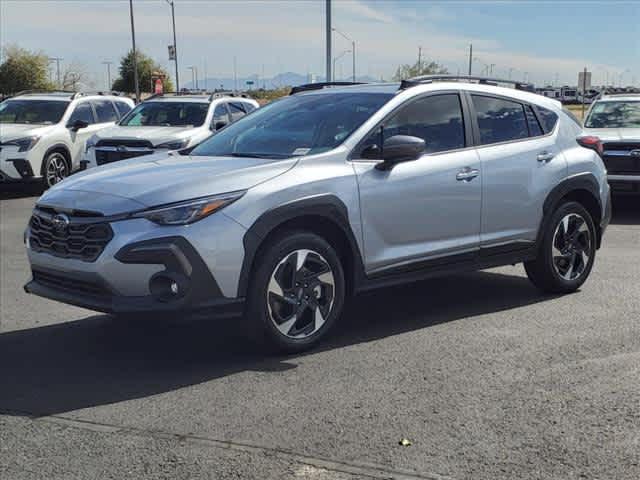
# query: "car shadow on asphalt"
99 360
10 191
626 210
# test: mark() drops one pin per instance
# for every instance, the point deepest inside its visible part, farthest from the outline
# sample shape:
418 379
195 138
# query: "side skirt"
484 258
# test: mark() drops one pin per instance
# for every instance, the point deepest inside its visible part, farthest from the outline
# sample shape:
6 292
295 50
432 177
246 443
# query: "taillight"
592 142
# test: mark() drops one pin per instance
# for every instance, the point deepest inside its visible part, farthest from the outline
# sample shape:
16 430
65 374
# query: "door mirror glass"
401 148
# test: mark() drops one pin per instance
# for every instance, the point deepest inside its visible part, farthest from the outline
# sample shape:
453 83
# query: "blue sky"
546 39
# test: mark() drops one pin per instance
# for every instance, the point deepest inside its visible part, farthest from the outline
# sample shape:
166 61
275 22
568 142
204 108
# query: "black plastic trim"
327 206
23 167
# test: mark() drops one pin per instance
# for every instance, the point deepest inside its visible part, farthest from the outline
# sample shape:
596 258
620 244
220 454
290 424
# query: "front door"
426 208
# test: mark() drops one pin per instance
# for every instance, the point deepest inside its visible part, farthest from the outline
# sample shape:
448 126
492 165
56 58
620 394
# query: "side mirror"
219 126
78 125
400 148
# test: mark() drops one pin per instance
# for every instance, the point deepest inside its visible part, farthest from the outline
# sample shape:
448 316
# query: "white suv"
163 123
43 135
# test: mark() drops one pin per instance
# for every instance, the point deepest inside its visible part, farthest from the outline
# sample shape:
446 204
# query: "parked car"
43 135
615 118
326 193
163 123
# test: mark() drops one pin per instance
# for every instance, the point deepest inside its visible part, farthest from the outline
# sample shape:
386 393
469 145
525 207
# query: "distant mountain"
286 79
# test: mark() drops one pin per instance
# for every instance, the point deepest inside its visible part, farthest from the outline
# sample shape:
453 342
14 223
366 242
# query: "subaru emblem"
60 222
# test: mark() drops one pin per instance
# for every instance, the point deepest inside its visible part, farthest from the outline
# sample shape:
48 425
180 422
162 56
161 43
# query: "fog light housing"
168 286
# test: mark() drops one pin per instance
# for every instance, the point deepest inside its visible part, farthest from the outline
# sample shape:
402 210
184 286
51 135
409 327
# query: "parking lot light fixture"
353 51
335 60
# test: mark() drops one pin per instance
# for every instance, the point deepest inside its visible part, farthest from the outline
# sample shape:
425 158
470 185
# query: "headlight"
90 143
25 144
174 144
190 211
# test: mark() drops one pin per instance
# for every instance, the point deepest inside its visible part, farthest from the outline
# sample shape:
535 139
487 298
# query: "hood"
13 131
156 135
615 134
165 178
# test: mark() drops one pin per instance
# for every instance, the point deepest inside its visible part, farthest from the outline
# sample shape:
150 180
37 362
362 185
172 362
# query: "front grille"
83 239
108 151
70 285
619 160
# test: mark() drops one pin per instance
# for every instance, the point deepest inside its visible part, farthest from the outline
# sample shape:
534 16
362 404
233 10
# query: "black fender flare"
327 206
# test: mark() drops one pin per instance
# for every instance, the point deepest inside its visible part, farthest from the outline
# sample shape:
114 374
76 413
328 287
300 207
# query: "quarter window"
548 119
84 112
437 119
237 112
534 126
499 120
105 111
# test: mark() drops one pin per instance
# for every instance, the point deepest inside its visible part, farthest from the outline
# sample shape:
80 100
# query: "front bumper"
147 268
15 166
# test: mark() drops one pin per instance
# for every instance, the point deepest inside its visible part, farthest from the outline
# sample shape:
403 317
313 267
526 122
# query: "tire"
567 251
55 169
297 292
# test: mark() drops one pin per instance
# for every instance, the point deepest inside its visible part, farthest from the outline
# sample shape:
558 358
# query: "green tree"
146 67
419 68
23 70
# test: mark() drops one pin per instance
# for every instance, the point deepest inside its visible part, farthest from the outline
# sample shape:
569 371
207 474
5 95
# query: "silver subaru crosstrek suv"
326 193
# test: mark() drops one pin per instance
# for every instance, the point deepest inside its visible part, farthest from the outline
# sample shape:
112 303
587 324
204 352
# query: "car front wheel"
56 169
297 292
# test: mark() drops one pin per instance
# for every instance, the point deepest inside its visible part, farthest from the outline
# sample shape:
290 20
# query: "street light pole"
328 39
335 60
108 64
135 53
57 60
194 76
175 46
353 51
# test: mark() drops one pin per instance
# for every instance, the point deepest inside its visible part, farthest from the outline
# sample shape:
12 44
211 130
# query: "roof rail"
319 86
421 80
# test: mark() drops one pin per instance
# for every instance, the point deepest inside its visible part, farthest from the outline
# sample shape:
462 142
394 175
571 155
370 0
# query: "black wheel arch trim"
581 182
327 206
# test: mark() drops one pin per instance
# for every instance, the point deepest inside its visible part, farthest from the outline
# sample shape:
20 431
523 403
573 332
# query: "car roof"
394 88
65 96
194 98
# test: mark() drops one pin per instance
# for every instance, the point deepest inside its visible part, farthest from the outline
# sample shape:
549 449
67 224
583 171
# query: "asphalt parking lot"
486 377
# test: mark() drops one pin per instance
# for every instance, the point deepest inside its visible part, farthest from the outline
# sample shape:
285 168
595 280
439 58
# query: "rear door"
422 209
521 163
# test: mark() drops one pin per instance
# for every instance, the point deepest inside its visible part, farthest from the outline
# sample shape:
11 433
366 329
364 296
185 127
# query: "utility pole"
108 64
175 47
328 39
470 58
57 60
135 53
584 88
335 60
235 73
419 60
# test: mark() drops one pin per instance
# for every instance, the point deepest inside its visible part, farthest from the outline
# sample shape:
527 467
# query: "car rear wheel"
567 251
297 292
56 169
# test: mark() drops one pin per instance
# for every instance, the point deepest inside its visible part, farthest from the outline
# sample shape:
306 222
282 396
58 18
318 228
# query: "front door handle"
545 156
467 174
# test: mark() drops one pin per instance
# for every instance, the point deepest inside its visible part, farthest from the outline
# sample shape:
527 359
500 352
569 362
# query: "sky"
550 40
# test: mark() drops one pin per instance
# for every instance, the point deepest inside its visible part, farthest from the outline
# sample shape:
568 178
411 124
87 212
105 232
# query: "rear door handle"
545 156
467 174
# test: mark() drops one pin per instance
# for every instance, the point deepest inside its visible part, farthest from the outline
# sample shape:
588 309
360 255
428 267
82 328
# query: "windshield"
43 112
614 115
166 114
293 126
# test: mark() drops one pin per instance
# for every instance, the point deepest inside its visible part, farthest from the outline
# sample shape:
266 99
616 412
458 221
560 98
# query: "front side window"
614 114
41 112
499 120
167 114
82 112
436 119
105 111
296 125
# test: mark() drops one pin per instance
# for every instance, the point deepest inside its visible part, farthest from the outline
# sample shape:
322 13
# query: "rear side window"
123 108
548 119
237 111
220 115
105 111
499 120
248 107
84 112
535 130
